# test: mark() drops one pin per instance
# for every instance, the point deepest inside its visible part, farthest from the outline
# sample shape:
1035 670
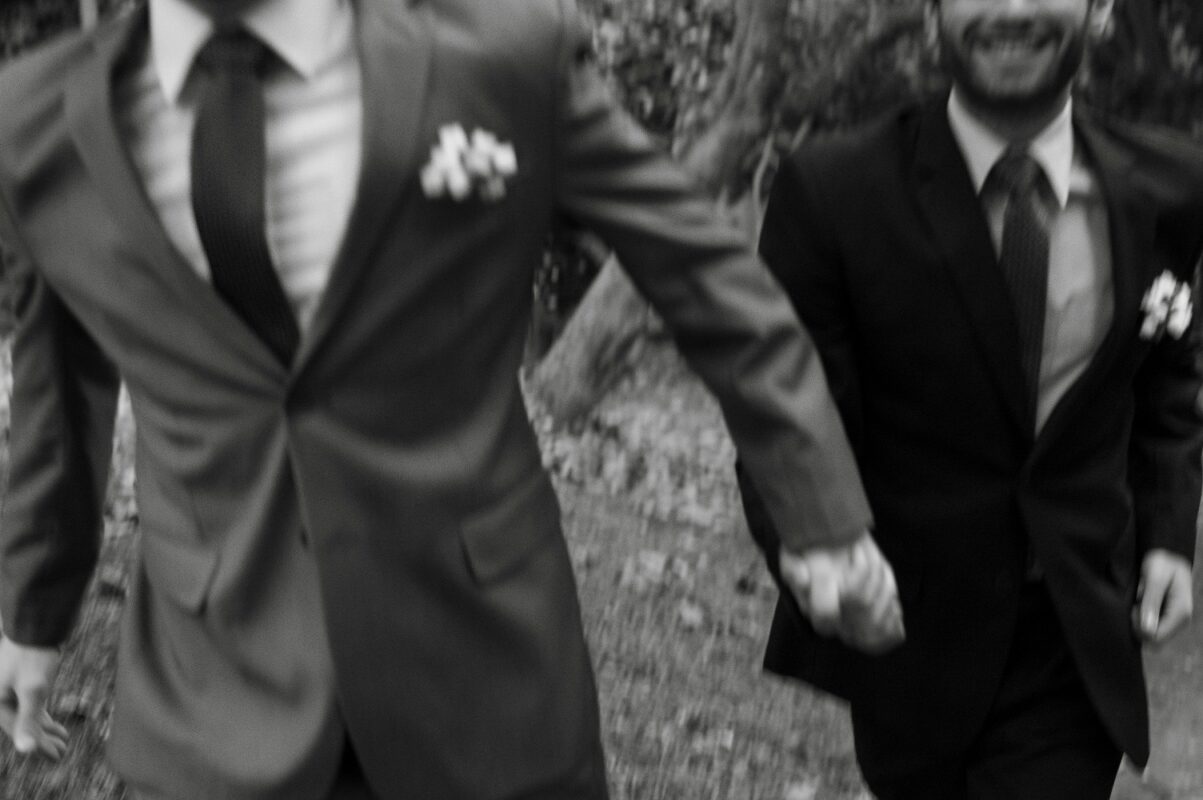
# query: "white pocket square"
461 165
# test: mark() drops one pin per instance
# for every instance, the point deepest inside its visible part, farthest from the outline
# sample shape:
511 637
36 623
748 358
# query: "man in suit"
302 233
999 289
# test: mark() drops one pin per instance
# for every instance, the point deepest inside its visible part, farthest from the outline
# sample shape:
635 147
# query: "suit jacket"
366 540
882 244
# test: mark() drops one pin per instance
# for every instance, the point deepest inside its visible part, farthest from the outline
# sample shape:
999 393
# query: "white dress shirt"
1080 295
313 124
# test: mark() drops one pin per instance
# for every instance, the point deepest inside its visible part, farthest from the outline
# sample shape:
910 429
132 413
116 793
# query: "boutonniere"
461 165
1167 307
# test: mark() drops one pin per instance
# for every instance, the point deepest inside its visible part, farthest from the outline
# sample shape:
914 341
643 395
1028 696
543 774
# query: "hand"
26 674
1163 598
847 591
870 610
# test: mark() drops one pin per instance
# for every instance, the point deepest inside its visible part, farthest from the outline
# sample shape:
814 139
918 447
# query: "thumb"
795 572
31 705
825 601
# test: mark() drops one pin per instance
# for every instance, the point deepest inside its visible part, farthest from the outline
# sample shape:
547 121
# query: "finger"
882 571
889 591
1152 598
54 738
892 624
872 584
877 620
885 610
54 747
896 601
53 727
54 752
824 599
876 638
797 576
51 747
1176 610
887 619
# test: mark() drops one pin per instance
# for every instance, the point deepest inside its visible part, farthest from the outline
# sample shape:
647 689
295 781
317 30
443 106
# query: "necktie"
1023 256
228 176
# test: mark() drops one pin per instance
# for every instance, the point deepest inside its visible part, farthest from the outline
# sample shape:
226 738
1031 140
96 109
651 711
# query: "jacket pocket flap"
180 570
499 537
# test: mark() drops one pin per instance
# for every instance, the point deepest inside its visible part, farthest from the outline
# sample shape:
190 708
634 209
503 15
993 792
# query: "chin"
1019 95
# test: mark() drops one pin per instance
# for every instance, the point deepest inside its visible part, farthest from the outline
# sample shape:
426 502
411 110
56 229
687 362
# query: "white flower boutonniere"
461 165
1167 308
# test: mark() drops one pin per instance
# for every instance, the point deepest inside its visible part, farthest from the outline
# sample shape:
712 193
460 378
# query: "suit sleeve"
728 317
1167 436
808 266
64 400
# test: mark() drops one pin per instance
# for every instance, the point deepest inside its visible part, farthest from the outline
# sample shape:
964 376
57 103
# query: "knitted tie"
1024 255
228 176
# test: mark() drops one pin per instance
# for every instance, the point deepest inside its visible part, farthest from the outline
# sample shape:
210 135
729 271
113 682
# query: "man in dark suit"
302 233
999 288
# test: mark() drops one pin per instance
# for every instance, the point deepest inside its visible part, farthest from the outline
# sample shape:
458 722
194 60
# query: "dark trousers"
588 784
1042 739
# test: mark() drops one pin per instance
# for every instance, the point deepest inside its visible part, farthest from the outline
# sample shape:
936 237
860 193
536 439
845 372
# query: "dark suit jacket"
365 541
882 244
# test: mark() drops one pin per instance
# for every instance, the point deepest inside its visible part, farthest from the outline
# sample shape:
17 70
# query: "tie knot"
1016 170
235 50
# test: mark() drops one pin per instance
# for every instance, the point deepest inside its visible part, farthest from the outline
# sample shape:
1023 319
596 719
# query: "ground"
676 606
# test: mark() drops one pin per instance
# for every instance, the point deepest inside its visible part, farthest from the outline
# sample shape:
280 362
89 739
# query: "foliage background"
674 597
834 63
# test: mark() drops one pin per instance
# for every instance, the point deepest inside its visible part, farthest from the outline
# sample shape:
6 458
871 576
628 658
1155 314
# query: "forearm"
727 314
60 442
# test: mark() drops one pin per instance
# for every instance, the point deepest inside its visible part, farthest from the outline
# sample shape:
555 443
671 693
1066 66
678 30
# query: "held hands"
849 592
1163 598
26 674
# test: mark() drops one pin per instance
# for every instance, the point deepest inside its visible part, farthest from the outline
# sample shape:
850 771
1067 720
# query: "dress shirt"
314 110
1080 295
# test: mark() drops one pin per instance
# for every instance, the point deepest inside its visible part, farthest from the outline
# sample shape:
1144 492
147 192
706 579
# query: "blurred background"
676 601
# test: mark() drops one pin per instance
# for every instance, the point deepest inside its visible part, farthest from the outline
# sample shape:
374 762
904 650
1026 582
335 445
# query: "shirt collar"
1053 147
300 32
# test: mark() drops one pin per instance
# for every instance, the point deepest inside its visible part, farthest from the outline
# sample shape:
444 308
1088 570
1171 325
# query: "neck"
224 9
1016 125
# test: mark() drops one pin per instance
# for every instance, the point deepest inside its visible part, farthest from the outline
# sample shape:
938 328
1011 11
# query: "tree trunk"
604 336
89 12
606 333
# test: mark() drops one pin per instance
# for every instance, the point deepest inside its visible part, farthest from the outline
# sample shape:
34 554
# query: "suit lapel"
1131 220
955 219
395 48
93 126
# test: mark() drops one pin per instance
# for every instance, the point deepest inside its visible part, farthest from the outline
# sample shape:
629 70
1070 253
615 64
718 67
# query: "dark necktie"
1024 256
228 176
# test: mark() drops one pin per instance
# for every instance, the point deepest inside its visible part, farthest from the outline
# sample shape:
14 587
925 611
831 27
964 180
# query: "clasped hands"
850 592
847 591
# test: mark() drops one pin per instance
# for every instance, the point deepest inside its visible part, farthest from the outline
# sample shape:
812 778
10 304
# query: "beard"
1038 97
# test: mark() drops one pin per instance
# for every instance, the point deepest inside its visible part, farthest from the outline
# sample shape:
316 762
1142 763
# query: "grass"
675 602
676 606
